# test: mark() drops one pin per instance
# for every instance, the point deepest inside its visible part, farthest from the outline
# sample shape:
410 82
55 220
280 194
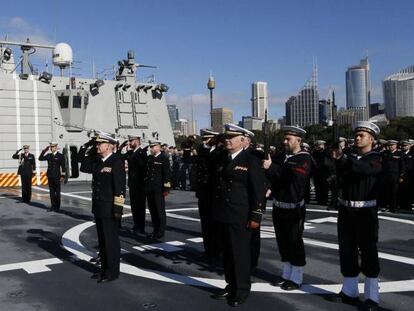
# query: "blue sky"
240 41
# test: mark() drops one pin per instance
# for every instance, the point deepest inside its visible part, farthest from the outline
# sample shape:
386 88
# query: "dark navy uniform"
289 176
405 193
359 176
137 167
175 178
238 199
204 196
358 226
324 167
108 192
27 168
256 241
392 170
157 184
56 168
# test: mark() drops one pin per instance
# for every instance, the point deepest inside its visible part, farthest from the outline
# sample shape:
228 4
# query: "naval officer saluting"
359 173
137 167
108 191
27 168
237 210
157 187
56 170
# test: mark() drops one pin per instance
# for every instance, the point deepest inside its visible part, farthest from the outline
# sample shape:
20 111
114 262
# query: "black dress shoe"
278 281
106 279
236 301
96 276
343 298
95 259
155 236
289 285
139 232
370 305
222 294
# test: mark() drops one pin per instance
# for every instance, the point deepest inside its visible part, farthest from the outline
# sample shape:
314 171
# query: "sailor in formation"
359 173
237 209
136 157
289 175
26 170
204 190
157 186
56 170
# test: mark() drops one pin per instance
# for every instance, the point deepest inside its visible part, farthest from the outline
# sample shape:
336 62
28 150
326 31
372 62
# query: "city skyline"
213 37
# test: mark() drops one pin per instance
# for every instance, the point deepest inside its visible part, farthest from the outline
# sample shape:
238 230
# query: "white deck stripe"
406 260
30 267
70 241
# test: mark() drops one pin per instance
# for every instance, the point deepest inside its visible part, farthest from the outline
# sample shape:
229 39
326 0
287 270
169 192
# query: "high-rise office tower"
182 126
398 90
259 99
173 113
358 89
221 116
303 109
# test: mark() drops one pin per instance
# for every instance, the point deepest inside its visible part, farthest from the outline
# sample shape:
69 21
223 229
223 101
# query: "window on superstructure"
64 101
77 102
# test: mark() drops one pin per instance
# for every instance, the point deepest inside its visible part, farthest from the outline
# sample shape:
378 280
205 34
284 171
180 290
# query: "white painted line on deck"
34 266
323 220
406 260
72 239
195 240
168 247
80 192
171 215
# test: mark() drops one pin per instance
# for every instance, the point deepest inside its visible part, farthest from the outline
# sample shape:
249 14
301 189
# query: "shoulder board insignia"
241 168
106 170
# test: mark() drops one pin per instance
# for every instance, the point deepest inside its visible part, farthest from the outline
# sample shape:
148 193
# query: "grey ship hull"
30 114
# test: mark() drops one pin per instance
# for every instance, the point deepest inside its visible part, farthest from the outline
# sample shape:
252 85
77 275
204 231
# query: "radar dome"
62 55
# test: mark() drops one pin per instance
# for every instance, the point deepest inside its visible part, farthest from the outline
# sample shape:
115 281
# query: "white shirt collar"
106 158
233 155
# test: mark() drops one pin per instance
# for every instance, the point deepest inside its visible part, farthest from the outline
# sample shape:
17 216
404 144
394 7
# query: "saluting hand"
337 153
252 224
267 162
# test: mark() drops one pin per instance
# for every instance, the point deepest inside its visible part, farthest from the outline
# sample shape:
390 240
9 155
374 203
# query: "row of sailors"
397 175
237 182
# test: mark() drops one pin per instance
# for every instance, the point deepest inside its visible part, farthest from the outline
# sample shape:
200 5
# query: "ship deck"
44 260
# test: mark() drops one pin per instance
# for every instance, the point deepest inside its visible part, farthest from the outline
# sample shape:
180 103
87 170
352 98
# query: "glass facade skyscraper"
358 88
398 90
173 114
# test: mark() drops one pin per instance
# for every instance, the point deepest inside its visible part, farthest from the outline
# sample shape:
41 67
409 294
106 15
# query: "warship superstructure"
38 107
